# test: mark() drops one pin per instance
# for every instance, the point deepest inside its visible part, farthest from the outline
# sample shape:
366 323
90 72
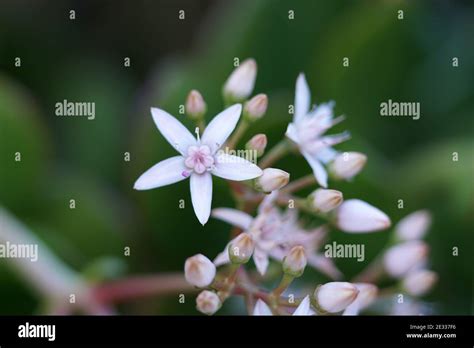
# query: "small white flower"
256 107
308 127
258 143
419 282
241 81
325 200
304 308
347 165
335 296
198 159
274 235
241 248
356 216
367 295
208 302
404 257
413 226
195 105
272 179
199 271
295 262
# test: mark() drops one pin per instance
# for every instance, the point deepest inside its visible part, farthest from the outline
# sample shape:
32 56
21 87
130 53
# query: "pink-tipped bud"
241 81
272 179
367 295
413 226
334 297
208 302
199 271
356 216
295 262
404 257
241 248
195 105
256 107
258 143
347 165
324 200
419 282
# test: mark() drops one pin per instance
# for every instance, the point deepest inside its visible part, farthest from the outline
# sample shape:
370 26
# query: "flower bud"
418 283
403 257
241 81
241 248
323 200
367 295
258 143
256 107
208 302
195 105
357 216
272 179
295 262
335 296
199 271
346 165
413 226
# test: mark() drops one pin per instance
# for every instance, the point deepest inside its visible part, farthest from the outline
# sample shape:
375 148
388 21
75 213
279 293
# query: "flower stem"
284 283
239 132
277 152
299 184
141 286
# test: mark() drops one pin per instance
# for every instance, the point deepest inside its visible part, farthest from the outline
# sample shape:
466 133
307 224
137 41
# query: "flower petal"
292 133
319 172
163 173
235 168
217 132
173 131
223 257
260 258
304 307
261 308
233 216
326 154
302 97
201 195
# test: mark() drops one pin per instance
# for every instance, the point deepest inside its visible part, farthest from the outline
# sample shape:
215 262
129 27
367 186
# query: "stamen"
196 130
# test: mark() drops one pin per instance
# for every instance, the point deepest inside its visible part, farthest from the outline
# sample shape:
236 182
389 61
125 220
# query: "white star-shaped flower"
308 127
199 158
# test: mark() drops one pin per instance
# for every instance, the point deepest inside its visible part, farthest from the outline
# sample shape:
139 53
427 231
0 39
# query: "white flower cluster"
276 233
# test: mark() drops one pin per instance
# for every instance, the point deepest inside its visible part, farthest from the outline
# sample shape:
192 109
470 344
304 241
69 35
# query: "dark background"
82 60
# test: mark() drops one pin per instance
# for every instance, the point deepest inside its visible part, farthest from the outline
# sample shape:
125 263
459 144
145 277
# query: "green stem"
299 184
239 132
277 152
286 280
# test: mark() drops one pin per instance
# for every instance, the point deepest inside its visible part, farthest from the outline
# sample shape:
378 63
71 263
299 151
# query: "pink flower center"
199 159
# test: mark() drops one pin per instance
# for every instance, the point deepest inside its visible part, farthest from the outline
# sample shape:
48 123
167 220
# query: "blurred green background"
83 60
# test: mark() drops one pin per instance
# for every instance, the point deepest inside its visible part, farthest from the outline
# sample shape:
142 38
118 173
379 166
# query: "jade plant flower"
308 127
198 158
